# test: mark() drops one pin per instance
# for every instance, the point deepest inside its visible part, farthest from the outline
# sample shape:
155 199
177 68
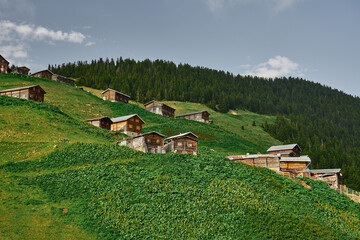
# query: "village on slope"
284 159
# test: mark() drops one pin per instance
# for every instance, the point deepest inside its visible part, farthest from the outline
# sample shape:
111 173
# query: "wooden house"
182 143
152 142
35 93
4 65
330 176
115 96
55 77
21 70
43 74
290 150
101 122
294 164
160 108
130 125
200 116
271 161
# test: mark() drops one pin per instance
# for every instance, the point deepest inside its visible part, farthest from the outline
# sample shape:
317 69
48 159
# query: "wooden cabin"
294 164
290 150
43 74
21 70
200 116
182 143
4 65
270 161
35 93
151 142
330 176
130 125
115 96
55 77
101 122
160 108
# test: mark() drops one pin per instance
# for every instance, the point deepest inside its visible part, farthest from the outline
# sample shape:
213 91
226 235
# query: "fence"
352 194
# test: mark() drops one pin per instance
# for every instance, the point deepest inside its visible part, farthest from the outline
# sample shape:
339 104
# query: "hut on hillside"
271 161
160 108
200 116
101 122
294 164
182 143
330 176
130 125
35 93
55 77
4 65
152 142
21 70
290 150
115 96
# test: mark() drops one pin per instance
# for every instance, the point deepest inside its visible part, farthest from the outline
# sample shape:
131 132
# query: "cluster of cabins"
283 158
287 160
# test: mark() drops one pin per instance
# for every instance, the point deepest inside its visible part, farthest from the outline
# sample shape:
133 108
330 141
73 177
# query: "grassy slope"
157 195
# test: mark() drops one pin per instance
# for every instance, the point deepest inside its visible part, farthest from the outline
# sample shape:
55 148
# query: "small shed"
290 150
35 93
271 161
55 77
152 142
160 108
330 176
182 143
21 70
294 164
115 96
130 125
4 65
101 122
200 116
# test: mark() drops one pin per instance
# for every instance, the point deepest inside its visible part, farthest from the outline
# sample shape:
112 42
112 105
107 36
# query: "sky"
317 40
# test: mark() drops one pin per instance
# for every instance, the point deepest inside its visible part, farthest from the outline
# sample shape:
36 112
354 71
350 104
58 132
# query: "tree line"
323 121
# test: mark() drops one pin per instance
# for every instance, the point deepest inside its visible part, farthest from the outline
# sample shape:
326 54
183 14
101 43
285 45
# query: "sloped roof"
295 159
94 119
21 88
144 134
45 70
4 59
181 135
283 147
109 89
124 118
157 102
28 69
335 170
191 113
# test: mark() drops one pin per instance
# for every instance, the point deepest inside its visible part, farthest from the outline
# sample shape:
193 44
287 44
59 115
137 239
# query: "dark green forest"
323 121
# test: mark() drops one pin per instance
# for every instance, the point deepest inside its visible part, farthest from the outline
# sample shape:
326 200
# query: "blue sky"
318 40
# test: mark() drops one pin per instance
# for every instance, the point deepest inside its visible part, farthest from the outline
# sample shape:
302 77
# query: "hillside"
90 188
324 121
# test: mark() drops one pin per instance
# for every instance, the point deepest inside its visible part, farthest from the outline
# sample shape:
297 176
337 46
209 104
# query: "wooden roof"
23 67
335 170
163 104
295 159
45 70
125 118
4 59
191 113
283 147
109 89
183 135
250 156
21 88
99 118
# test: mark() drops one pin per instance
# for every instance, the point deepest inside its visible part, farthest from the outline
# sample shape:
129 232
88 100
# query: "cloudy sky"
318 40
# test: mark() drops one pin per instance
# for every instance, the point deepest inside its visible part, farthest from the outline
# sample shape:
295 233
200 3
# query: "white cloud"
275 5
276 67
89 44
10 30
15 39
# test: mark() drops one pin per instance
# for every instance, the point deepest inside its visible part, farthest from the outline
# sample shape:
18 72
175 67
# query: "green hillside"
90 188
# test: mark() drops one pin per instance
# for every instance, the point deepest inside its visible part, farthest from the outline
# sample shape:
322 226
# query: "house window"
148 140
179 144
137 127
190 144
157 140
137 120
130 126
